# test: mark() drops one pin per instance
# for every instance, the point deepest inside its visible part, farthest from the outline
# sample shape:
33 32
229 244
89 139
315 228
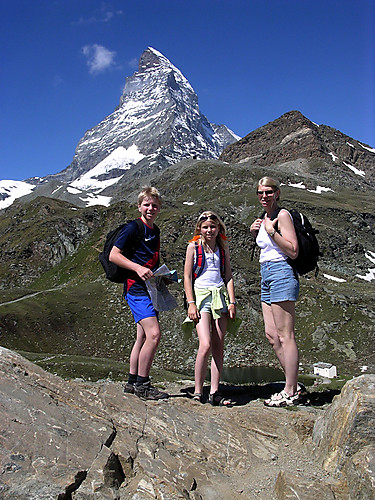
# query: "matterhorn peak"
151 59
158 122
157 71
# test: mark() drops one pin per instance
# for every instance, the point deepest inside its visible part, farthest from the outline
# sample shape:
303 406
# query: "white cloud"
98 58
102 15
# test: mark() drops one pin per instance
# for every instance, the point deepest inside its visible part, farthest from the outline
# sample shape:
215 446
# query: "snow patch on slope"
371 272
362 173
119 159
372 150
11 190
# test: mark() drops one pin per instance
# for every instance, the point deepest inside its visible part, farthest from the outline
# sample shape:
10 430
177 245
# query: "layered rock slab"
75 440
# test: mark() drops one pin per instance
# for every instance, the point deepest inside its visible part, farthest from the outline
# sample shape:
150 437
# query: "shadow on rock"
243 394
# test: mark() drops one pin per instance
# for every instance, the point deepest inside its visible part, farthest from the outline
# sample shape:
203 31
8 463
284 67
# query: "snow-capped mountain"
157 123
158 118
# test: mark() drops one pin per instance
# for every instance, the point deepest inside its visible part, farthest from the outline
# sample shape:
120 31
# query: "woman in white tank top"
209 290
277 240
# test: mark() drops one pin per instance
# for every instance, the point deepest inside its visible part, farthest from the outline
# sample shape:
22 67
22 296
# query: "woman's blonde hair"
269 182
149 192
221 239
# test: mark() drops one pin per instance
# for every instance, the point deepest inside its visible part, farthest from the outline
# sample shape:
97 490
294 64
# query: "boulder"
345 436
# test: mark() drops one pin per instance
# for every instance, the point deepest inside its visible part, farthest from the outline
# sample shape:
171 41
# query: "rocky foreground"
74 440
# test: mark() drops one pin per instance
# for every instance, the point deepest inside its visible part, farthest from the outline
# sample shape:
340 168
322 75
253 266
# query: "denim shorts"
206 305
140 306
279 283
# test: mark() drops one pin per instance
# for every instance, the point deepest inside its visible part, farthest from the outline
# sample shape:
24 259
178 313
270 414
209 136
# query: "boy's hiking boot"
129 388
147 391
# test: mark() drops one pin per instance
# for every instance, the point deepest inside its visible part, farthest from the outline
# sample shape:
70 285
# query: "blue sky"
64 64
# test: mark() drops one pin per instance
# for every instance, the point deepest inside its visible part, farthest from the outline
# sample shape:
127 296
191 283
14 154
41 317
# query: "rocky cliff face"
39 237
79 441
345 436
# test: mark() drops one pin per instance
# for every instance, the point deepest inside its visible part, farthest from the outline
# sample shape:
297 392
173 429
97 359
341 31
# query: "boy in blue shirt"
141 265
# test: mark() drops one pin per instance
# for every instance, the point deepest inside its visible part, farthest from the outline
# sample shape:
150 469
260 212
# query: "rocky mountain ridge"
325 154
159 115
158 123
307 156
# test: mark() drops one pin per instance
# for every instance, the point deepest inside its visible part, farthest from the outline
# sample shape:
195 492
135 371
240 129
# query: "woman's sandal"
281 399
216 399
301 389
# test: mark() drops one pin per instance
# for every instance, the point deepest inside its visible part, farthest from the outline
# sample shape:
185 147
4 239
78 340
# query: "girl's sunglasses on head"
206 217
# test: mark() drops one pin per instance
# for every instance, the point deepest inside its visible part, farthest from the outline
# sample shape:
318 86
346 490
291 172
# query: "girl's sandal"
197 396
216 399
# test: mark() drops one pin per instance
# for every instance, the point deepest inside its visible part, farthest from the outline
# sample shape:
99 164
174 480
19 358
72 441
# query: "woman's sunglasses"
269 192
206 217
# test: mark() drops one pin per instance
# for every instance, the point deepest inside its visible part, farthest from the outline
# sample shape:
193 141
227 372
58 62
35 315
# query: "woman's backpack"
308 245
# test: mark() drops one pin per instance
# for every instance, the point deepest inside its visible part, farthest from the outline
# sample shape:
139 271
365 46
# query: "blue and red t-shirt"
146 254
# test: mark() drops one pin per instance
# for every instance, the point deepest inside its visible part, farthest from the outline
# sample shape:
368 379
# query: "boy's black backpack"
112 271
308 246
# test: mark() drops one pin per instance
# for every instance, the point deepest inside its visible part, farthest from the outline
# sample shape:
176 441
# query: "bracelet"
272 233
191 302
233 303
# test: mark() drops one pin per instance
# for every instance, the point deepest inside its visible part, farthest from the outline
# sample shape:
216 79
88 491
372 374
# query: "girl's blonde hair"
221 239
149 192
269 182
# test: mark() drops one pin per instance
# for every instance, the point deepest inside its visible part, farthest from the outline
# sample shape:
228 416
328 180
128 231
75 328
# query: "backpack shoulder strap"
140 225
137 240
276 213
200 260
222 261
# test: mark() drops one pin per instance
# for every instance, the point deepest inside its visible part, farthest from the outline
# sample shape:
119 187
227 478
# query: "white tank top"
211 275
269 251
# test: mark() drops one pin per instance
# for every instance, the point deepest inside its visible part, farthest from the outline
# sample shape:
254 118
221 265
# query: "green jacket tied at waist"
216 306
